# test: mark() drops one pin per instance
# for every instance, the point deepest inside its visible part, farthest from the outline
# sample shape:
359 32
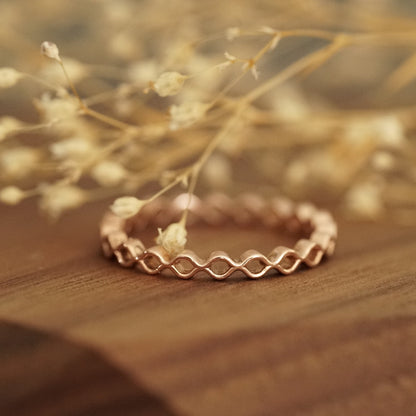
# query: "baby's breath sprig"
205 100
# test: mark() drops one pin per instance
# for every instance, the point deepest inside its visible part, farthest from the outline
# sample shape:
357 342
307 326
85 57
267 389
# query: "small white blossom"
389 131
173 238
54 109
254 72
18 162
11 195
57 199
169 83
290 104
141 72
127 206
275 41
8 125
9 77
73 148
386 131
364 199
108 173
50 50
232 32
229 57
186 114
383 161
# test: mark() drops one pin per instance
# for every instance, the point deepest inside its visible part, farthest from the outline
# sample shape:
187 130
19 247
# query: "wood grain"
81 336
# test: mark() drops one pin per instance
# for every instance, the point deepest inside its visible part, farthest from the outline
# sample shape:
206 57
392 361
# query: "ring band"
215 210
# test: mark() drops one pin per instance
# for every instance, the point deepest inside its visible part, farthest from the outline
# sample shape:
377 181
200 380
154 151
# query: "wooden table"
81 336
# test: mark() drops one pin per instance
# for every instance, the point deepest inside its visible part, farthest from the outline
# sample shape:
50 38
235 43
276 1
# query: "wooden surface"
81 336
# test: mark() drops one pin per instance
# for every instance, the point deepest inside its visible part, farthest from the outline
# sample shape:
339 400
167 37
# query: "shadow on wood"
44 374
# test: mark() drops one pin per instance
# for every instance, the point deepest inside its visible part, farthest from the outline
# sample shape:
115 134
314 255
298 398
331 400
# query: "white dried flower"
73 148
59 198
108 173
389 131
18 162
383 161
173 238
186 114
127 206
141 72
9 77
386 131
254 72
50 50
11 195
169 83
229 57
232 32
8 125
54 109
290 103
275 41
364 199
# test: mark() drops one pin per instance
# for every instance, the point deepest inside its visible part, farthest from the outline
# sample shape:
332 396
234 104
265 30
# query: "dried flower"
11 195
18 162
108 173
142 71
173 238
127 206
50 50
231 58
54 109
389 131
73 148
186 114
8 125
57 199
364 199
232 32
169 83
383 161
275 41
9 77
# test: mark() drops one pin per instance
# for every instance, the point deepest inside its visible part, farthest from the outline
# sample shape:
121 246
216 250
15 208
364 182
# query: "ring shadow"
44 374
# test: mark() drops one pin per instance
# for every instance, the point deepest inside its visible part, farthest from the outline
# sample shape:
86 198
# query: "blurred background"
311 99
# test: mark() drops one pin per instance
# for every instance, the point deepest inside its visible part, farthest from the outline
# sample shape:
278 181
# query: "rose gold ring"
217 210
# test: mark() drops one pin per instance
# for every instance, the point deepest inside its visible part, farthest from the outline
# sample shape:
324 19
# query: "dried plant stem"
319 56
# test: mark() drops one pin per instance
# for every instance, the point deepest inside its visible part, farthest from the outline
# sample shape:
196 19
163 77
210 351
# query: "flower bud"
169 83
9 77
11 195
127 206
50 50
173 239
